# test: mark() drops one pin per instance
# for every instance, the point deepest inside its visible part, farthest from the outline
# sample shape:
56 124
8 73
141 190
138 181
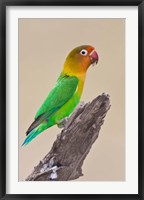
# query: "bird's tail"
31 136
36 131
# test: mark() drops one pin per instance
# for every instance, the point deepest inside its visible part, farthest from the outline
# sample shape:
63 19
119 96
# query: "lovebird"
66 93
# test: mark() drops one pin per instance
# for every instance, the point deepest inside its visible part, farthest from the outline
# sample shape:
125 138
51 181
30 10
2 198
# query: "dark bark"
65 159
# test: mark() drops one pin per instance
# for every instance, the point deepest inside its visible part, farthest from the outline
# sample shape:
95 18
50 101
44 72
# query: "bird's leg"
63 122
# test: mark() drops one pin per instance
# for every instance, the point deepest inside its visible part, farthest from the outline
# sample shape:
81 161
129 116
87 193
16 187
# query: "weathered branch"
65 159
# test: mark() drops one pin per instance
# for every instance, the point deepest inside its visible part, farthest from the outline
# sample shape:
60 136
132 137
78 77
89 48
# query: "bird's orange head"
79 60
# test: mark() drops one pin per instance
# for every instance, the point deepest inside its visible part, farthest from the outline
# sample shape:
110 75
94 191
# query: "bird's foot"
63 122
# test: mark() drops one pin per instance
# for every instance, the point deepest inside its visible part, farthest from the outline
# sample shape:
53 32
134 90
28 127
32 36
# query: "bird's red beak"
94 57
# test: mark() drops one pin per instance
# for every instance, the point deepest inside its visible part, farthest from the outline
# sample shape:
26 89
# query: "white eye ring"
83 52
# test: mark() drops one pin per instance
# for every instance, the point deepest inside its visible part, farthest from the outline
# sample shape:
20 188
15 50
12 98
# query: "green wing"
58 96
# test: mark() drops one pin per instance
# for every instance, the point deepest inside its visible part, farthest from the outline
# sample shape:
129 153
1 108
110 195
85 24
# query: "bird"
65 95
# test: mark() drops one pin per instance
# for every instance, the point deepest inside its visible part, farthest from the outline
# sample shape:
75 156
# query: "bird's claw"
63 122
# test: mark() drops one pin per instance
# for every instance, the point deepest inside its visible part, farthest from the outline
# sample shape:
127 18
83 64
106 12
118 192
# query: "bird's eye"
83 52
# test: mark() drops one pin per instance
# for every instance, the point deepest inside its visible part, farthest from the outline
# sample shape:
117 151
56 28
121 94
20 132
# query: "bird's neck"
75 69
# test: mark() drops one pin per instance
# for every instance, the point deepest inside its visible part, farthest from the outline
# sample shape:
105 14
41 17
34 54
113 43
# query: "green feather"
59 95
59 103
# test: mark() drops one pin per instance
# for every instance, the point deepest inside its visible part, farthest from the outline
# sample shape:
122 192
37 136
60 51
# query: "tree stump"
65 159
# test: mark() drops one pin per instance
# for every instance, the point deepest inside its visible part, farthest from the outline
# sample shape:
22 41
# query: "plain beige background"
43 47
